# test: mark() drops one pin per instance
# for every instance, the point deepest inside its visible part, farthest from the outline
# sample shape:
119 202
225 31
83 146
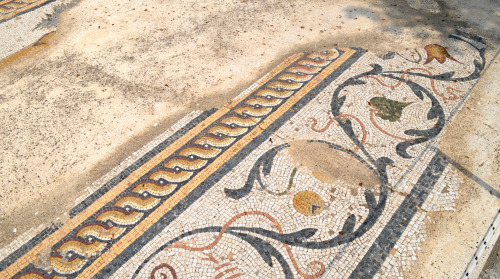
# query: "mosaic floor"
324 168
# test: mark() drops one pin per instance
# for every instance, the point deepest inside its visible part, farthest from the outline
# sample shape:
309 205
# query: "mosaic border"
32 242
22 10
380 249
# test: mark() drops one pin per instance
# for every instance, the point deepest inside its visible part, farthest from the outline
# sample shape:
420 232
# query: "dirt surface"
453 234
472 141
330 165
116 74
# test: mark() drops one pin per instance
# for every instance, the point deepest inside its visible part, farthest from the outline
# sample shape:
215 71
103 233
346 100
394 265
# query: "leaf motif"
370 199
349 224
439 53
388 109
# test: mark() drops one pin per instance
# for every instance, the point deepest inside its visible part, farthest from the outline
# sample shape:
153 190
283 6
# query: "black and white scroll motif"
436 111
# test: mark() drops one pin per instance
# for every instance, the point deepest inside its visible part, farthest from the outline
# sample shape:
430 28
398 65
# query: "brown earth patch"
331 166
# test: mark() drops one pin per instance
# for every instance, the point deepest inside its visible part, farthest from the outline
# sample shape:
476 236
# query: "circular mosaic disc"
308 203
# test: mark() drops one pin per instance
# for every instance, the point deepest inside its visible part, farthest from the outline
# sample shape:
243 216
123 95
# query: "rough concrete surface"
116 74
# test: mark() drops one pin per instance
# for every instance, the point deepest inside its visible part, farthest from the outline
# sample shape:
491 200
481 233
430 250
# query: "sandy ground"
116 74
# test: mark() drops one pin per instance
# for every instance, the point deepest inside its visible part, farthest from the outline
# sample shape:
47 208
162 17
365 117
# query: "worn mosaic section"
323 169
9 9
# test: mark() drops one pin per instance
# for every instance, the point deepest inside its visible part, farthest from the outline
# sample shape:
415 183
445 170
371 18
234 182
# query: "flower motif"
437 52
